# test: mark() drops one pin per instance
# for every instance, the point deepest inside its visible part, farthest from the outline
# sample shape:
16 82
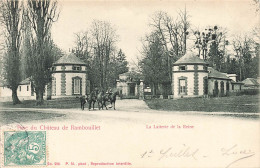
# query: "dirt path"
133 129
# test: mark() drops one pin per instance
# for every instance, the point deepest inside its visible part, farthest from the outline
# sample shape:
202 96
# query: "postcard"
138 84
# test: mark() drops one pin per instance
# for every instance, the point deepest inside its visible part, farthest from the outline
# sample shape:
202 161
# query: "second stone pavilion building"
192 77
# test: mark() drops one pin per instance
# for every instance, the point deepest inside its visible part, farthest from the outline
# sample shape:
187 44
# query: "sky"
131 18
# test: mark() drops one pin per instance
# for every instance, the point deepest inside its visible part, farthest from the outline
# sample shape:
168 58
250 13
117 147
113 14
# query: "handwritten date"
233 153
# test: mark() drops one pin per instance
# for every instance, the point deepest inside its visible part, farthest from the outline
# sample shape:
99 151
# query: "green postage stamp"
24 148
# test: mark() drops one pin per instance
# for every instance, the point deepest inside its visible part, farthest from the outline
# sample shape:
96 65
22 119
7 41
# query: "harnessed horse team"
100 97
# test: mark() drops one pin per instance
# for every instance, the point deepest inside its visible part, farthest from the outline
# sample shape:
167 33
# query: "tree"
233 66
201 43
185 26
2 49
211 45
41 14
244 46
254 70
26 68
104 39
117 65
83 46
121 62
216 51
257 5
11 19
97 47
173 34
154 62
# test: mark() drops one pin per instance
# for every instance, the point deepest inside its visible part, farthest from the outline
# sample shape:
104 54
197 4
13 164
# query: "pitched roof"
216 74
189 58
234 82
250 82
25 81
69 59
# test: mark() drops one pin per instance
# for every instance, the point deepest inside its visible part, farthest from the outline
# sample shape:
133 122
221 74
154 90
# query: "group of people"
100 97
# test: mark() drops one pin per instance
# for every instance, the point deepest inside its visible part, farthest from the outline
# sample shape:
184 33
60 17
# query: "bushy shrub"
251 91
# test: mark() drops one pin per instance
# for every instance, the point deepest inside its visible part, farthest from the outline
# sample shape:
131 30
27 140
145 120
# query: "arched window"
205 85
222 88
215 88
227 87
76 85
182 85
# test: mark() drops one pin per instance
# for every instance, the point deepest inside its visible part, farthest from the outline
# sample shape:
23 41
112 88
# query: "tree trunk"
49 90
39 97
153 89
169 66
15 97
240 73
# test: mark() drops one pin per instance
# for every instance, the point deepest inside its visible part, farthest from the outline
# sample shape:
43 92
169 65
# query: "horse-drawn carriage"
100 97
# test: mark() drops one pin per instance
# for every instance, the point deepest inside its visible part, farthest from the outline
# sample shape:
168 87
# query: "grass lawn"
245 103
61 103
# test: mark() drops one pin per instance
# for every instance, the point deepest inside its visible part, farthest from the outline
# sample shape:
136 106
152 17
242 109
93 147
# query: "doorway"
132 89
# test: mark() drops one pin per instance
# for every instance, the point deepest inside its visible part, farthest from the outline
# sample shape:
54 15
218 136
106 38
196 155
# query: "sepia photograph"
129 84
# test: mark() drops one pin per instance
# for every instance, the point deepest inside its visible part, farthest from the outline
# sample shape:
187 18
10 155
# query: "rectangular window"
20 88
27 88
76 86
76 68
182 86
182 68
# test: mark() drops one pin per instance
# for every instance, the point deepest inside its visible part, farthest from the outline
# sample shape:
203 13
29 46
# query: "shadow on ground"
9 117
244 116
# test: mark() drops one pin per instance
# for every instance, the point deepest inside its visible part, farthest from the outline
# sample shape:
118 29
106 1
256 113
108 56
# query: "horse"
82 102
92 98
112 98
102 98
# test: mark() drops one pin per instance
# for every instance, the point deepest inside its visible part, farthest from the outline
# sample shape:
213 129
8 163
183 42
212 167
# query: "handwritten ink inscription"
188 152
235 151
